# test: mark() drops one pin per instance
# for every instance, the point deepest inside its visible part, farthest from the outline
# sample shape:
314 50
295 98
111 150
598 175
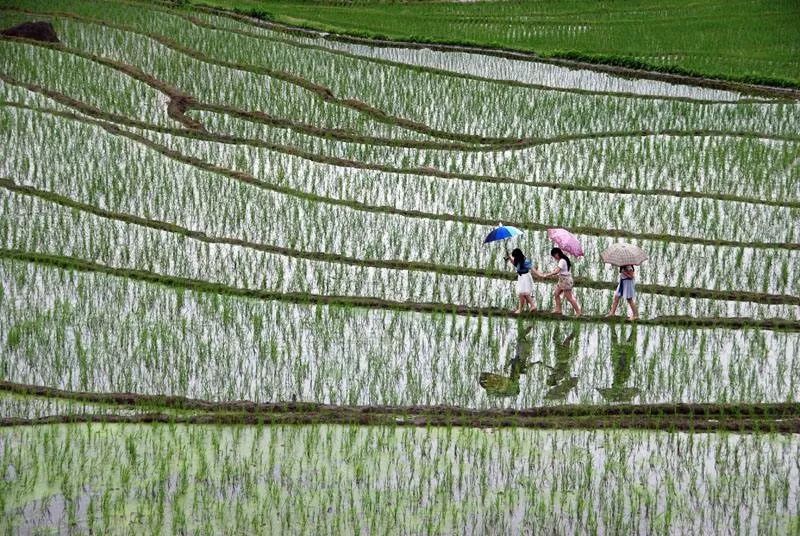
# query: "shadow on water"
623 354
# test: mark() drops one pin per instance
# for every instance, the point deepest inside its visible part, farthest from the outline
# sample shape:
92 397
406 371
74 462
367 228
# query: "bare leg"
634 309
557 297
614 305
518 310
568 294
531 303
526 300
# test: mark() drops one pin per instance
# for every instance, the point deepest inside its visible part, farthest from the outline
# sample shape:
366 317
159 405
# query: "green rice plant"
396 357
330 252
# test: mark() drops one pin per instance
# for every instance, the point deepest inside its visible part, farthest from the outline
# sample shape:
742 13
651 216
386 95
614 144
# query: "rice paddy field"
243 288
755 40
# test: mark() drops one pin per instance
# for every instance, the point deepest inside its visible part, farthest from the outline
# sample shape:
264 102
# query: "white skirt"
525 284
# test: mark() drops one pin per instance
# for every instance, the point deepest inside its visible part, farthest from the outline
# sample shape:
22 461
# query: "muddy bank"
579 415
35 31
669 424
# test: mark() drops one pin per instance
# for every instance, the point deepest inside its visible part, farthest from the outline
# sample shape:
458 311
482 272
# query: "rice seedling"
331 478
194 204
208 348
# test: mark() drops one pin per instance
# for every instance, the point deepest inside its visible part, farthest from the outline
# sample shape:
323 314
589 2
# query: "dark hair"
557 251
518 256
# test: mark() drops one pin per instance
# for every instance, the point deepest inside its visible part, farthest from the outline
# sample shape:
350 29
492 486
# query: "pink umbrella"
566 241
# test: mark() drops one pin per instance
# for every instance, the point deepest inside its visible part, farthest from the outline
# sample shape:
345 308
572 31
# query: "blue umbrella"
502 232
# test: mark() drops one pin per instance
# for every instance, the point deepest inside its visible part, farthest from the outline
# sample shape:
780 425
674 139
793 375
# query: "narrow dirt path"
199 285
389 264
744 417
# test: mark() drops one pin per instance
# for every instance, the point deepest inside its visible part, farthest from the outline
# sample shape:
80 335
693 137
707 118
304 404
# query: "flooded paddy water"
211 208
466 481
115 335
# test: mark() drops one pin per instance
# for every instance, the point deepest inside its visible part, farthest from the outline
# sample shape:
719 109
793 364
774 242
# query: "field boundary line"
700 417
695 424
189 102
322 92
391 264
175 11
246 178
304 298
342 162
388 264
182 102
179 402
178 100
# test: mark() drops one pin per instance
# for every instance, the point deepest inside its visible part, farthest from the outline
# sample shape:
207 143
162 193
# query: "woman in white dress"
524 280
563 271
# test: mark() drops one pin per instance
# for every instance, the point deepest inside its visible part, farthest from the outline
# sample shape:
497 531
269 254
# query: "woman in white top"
565 282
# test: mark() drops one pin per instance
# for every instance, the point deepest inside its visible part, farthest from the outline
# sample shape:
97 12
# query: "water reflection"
565 348
560 382
500 385
623 354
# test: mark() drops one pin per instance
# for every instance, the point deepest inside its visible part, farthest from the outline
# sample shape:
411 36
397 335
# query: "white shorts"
525 284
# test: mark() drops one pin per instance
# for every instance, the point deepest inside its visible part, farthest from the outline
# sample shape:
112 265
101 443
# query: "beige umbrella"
623 254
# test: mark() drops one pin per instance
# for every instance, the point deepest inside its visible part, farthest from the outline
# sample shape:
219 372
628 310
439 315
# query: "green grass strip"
199 285
391 264
378 209
178 12
341 162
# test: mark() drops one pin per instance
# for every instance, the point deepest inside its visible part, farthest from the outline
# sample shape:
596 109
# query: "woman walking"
563 271
626 289
524 279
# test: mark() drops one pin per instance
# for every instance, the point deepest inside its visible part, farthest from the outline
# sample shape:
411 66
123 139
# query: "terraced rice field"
199 209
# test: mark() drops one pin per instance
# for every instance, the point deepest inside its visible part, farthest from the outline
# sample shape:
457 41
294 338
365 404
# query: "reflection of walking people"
559 381
524 280
626 289
499 385
623 354
563 271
